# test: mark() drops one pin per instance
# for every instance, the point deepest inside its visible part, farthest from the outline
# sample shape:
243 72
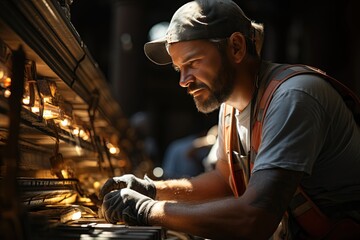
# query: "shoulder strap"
237 177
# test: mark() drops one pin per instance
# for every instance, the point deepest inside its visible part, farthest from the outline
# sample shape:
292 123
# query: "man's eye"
194 63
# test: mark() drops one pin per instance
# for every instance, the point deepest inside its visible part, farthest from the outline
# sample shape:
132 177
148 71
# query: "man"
309 138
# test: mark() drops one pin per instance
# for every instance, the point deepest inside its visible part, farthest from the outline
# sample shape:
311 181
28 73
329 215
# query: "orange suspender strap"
237 177
309 216
316 224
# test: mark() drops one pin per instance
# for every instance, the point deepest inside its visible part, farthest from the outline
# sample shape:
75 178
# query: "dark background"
324 34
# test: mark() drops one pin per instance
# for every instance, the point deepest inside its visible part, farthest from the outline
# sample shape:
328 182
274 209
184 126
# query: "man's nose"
186 79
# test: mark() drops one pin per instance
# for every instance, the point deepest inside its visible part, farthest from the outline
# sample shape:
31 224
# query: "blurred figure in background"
184 157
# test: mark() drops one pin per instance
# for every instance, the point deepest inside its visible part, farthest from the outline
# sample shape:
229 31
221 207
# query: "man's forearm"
228 218
207 186
254 215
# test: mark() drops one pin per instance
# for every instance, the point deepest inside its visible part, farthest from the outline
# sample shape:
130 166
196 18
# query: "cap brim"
156 52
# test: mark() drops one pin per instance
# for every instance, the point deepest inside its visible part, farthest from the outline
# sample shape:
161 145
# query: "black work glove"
144 186
126 205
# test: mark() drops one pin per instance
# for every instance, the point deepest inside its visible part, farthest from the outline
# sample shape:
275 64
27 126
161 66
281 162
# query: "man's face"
204 71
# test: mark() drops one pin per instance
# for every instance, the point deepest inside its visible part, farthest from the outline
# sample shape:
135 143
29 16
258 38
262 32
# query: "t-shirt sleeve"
293 131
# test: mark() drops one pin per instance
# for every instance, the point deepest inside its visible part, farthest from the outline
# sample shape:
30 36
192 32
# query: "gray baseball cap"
199 19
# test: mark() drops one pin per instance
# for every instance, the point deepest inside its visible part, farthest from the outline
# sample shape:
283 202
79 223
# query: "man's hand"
144 186
126 205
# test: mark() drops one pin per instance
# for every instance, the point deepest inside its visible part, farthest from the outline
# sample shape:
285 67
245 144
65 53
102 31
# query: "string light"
65 122
71 215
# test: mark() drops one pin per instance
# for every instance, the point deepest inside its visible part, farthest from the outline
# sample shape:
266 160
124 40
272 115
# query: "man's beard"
219 92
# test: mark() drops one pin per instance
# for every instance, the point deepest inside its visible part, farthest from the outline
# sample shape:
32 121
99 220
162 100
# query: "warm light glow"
85 137
65 173
99 225
81 133
6 82
79 150
75 131
35 109
76 215
84 199
71 215
112 150
65 122
7 93
109 145
96 185
26 100
158 172
50 111
49 114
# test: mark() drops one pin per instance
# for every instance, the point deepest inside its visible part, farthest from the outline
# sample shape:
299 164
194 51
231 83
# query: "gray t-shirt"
308 128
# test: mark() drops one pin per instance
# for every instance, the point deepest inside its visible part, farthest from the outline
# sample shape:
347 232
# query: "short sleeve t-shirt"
308 128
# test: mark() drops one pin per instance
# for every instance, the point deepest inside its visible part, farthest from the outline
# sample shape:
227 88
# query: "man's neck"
246 83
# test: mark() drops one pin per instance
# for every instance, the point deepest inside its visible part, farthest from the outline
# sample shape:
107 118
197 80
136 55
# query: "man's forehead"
182 47
188 49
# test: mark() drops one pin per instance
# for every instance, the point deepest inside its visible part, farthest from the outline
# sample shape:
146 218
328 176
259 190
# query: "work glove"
144 186
126 205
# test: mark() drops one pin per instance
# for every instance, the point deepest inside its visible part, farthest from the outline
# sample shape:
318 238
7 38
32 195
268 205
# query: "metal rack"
62 134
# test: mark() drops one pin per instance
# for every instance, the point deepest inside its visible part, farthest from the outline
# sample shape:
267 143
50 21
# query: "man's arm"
254 215
206 186
209 185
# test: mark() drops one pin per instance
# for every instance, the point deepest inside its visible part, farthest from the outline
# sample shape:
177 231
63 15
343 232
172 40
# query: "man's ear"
237 45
